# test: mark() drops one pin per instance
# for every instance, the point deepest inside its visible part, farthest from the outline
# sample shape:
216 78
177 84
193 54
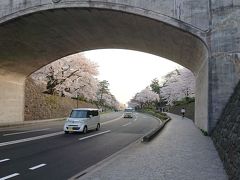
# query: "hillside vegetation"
176 91
75 76
40 106
55 89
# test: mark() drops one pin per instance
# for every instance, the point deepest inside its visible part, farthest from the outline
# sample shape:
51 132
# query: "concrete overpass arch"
35 36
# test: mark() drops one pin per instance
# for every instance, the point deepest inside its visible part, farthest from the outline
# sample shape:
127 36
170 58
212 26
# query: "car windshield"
128 110
79 114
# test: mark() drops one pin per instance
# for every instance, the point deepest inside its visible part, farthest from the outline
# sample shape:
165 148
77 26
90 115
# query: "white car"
82 120
128 112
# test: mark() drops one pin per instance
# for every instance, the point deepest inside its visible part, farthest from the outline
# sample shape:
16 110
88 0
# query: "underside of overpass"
34 40
201 35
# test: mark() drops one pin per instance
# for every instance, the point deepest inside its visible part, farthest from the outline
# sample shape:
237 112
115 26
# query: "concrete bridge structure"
202 35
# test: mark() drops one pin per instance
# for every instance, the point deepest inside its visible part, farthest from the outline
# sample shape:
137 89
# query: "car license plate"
70 129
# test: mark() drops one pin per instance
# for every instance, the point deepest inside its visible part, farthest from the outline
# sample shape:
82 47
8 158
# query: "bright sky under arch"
127 71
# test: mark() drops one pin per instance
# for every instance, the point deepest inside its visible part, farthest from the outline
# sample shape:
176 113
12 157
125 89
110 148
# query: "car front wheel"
85 130
98 127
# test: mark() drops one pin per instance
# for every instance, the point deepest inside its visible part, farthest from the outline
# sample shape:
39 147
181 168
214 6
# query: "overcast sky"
128 72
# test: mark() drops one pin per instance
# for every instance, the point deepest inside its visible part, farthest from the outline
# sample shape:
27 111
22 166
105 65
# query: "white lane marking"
9 176
127 124
30 139
95 135
24 132
113 120
38 166
3 160
135 118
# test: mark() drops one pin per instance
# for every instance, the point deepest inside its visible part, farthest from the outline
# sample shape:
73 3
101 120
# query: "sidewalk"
179 152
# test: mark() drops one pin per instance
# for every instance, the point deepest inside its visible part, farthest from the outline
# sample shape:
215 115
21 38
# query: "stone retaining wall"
226 136
39 106
189 110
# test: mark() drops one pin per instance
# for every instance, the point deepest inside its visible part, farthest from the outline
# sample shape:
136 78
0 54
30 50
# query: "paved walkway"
179 152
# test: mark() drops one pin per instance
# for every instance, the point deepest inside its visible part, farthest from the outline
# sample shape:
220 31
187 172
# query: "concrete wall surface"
226 136
194 12
224 63
224 76
202 35
35 33
12 98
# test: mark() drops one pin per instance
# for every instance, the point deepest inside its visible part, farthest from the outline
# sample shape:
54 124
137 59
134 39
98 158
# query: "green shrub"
205 133
160 115
184 101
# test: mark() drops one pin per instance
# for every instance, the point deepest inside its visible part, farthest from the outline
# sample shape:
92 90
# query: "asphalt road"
43 151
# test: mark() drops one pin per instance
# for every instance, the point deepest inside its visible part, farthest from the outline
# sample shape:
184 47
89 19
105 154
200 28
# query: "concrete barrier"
149 136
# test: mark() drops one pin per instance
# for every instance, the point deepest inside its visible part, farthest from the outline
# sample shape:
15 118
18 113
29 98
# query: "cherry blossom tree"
110 101
70 76
75 76
145 98
156 87
177 85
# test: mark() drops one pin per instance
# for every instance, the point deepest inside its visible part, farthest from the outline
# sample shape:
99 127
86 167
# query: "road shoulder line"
30 139
25 132
25 123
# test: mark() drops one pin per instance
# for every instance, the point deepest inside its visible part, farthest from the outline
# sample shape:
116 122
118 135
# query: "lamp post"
77 99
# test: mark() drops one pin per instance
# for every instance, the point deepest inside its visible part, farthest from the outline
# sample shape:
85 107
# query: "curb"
90 170
30 122
148 137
